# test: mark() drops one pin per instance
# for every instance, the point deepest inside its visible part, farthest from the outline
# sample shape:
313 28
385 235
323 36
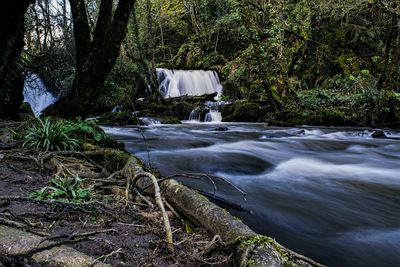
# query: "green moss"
261 240
243 111
169 120
250 262
117 118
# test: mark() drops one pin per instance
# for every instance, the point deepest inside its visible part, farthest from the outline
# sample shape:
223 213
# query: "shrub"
49 135
84 130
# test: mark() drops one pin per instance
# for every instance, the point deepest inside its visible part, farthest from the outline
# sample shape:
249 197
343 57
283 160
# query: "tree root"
160 204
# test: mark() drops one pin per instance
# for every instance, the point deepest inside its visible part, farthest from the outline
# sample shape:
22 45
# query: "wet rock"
169 120
26 112
378 134
25 108
220 129
243 111
301 132
117 118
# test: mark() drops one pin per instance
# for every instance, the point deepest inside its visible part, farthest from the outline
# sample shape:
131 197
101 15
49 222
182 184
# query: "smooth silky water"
332 194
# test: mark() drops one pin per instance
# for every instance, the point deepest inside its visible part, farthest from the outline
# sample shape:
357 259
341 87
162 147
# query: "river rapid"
332 194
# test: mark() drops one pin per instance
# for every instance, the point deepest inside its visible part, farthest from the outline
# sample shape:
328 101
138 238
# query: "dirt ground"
109 230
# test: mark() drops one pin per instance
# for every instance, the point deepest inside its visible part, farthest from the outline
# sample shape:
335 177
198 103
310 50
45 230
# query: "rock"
15 242
169 120
243 111
378 134
25 112
117 118
301 132
25 108
220 129
5 136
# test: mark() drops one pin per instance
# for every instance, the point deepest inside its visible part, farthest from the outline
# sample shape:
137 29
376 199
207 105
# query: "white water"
330 193
175 83
213 116
194 116
36 94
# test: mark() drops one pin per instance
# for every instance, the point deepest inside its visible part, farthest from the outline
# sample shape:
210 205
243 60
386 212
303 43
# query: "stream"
332 194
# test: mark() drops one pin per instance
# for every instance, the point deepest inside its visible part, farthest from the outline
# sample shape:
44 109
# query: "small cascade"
36 94
194 115
149 121
213 116
176 83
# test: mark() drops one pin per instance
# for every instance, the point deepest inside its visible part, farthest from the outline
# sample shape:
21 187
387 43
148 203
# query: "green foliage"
58 134
49 135
66 189
342 100
188 228
85 131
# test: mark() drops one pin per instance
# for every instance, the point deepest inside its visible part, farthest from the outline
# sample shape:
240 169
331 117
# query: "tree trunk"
96 53
11 45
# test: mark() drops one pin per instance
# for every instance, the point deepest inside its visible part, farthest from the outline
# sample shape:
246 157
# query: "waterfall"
175 83
213 116
36 94
194 115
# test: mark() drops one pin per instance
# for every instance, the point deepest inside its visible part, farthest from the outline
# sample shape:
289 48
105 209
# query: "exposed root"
160 204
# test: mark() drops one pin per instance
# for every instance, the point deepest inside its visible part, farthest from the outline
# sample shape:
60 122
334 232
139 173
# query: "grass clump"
49 135
63 135
66 189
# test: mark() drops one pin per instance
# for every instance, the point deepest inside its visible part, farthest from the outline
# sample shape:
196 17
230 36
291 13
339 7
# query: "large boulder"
243 111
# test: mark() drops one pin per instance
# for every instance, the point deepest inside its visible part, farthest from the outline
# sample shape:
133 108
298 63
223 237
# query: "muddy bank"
110 229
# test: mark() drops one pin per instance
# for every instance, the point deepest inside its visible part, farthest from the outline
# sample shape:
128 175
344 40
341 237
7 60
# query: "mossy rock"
26 108
243 111
169 120
117 118
26 112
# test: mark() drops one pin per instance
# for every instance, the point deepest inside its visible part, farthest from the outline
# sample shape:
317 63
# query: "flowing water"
36 94
175 83
332 194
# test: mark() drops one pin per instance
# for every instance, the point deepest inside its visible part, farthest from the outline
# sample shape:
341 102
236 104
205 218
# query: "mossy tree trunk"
391 78
96 52
11 45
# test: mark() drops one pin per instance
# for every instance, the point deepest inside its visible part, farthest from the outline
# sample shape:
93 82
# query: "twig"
105 257
151 206
172 209
197 175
